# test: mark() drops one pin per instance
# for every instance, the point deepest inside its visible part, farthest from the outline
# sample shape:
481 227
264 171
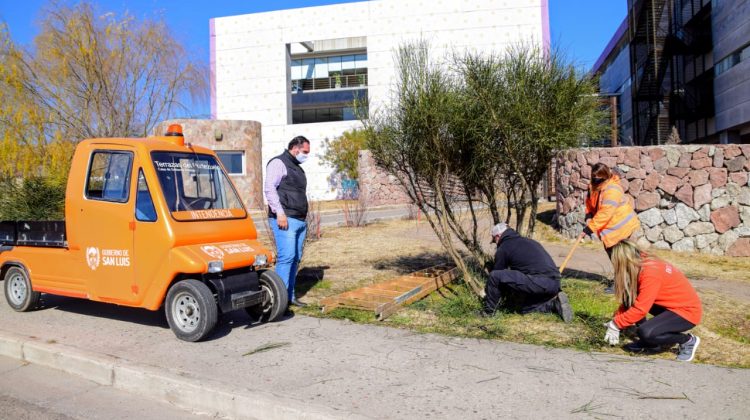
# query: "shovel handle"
570 254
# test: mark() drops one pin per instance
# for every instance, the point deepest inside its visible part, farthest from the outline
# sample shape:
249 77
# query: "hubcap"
186 312
18 290
268 301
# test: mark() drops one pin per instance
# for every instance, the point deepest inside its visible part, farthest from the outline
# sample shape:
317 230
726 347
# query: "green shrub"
33 198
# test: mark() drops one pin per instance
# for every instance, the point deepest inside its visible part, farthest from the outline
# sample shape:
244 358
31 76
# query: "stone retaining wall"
688 198
376 186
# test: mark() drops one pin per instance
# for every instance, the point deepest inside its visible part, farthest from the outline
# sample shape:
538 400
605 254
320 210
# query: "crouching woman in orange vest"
643 285
610 215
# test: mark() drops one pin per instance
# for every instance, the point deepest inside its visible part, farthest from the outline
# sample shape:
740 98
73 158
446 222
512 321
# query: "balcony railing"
333 82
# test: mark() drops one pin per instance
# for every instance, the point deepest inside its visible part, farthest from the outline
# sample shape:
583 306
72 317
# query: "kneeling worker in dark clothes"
525 274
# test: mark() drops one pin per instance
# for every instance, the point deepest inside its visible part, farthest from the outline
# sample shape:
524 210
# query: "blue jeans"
289 244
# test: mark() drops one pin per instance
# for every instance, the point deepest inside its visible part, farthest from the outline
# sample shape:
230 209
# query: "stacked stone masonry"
688 198
376 186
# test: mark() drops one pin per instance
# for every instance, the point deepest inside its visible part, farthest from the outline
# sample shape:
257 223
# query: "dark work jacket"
525 255
293 188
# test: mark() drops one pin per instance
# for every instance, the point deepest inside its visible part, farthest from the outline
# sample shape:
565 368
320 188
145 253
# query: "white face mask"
302 157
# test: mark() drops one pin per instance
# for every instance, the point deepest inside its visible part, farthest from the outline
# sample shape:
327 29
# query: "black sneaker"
639 347
297 303
562 307
485 313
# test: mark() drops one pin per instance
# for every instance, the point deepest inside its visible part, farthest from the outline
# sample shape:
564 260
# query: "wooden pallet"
388 297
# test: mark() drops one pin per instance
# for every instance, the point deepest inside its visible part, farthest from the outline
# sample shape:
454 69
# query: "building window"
327 114
233 161
331 72
732 60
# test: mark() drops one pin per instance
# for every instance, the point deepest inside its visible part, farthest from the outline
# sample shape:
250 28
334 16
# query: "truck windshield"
195 187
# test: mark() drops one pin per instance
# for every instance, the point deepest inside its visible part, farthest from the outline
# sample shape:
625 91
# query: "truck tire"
275 305
191 310
18 291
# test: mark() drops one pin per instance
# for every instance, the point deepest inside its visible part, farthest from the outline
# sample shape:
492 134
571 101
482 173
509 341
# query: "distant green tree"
342 153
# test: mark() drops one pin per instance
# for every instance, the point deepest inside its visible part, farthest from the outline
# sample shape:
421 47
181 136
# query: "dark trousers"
515 290
665 328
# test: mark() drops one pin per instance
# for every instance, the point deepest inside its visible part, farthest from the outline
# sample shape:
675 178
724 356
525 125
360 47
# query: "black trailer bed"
33 233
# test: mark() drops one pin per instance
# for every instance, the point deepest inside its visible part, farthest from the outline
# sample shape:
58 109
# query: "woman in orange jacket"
647 285
610 215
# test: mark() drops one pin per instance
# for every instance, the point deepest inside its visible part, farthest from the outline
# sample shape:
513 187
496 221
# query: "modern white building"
297 71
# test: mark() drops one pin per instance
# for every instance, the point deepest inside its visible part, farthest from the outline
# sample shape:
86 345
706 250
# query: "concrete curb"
198 395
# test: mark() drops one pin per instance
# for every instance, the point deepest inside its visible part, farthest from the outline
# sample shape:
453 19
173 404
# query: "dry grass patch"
347 258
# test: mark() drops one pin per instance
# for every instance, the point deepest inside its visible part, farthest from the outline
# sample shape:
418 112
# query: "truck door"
151 241
107 215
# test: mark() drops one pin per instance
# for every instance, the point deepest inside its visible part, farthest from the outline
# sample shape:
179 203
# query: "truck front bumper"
236 289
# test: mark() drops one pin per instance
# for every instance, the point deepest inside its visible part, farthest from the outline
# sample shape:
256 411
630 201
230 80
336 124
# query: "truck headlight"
215 266
260 259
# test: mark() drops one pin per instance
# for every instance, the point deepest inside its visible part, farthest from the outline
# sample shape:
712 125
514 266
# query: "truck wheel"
191 310
273 307
18 290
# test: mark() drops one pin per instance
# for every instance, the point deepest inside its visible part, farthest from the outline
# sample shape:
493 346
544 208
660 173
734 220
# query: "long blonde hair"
627 260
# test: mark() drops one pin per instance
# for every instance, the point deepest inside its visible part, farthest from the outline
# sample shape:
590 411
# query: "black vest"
293 188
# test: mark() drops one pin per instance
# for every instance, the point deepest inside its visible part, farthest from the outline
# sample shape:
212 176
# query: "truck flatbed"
50 234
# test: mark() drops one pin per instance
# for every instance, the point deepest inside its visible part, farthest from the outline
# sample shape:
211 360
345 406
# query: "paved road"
30 392
336 218
382 372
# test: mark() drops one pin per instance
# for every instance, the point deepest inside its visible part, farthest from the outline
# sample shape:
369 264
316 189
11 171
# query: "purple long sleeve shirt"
275 171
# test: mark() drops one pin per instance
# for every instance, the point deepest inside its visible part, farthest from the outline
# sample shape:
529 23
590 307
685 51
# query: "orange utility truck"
148 223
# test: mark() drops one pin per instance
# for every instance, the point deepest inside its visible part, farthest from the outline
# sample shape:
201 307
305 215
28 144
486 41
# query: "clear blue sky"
581 27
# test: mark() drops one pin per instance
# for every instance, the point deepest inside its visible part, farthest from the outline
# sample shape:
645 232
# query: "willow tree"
89 74
470 138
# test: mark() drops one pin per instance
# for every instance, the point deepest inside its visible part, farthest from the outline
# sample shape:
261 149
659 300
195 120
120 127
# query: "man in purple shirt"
285 188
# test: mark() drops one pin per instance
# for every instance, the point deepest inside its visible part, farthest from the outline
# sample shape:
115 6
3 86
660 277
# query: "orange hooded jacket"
613 218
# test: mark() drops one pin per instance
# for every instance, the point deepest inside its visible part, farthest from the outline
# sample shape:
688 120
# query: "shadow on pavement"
227 322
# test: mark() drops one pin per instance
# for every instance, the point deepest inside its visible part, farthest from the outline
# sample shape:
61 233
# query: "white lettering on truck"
107 257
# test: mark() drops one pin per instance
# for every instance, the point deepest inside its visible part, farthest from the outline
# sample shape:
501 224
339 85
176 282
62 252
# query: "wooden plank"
358 303
394 287
388 309
388 297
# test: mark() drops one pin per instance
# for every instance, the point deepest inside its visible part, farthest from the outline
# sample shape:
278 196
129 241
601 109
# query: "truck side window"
109 176
144 204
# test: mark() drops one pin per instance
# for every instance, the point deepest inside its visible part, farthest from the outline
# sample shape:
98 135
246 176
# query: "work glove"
587 231
612 337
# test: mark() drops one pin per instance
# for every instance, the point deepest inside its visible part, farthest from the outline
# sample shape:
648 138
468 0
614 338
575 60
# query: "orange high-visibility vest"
613 218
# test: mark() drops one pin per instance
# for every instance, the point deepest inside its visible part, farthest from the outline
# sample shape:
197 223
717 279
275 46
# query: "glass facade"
327 114
333 72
